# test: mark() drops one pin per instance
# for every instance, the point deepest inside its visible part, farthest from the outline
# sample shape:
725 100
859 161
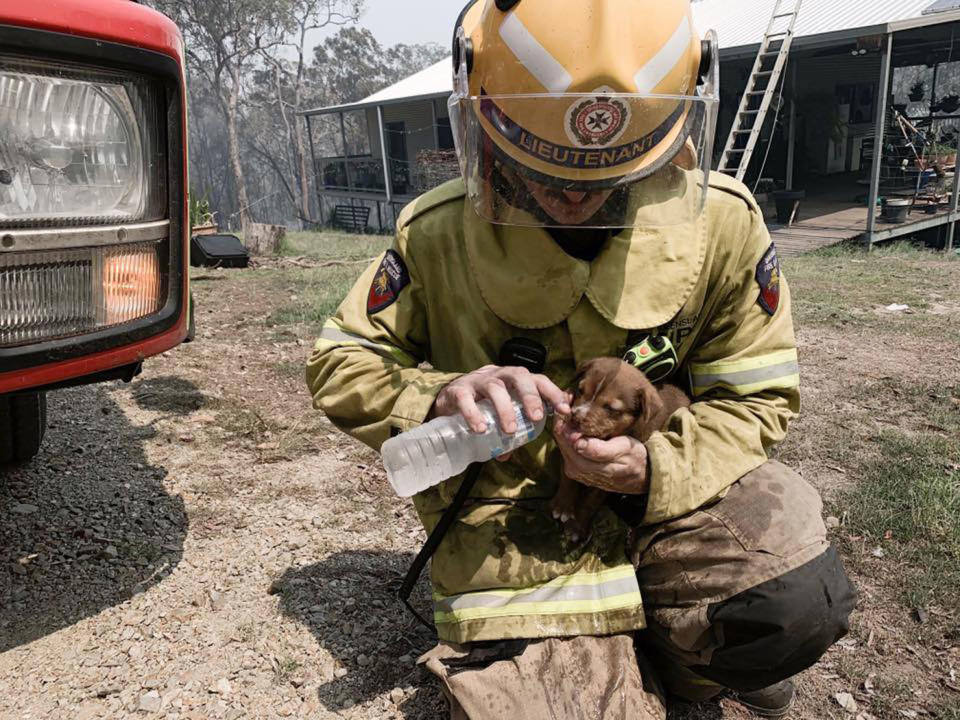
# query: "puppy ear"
582 370
648 407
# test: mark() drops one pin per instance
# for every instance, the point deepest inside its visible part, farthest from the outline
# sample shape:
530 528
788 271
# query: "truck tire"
23 422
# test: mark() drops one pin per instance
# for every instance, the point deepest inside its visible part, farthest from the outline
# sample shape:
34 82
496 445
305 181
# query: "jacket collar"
640 280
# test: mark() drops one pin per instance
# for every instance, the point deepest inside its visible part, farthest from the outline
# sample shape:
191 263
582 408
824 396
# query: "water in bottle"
435 451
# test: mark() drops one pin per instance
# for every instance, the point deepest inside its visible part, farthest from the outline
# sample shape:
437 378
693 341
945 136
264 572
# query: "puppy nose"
579 411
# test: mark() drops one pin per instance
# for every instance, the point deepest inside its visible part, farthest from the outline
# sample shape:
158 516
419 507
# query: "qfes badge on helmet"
554 99
598 121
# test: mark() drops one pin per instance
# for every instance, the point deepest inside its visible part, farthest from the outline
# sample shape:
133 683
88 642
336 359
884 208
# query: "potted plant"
948 104
945 154
202 220
918 91
788 204
940 154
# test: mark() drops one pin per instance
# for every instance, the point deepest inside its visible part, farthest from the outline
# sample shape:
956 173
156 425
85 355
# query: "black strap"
436 537
519 351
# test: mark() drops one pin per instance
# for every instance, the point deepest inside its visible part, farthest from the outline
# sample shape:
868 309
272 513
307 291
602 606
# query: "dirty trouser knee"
578 678
745 592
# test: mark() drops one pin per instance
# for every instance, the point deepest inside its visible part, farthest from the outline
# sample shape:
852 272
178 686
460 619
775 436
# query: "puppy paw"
561 513
576 530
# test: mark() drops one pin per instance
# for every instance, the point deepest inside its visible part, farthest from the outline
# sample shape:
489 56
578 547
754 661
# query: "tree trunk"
304 177
233 146
262 239
293 135
300 145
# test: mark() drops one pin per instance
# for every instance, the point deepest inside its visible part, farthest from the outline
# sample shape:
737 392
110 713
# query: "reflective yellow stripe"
570 595
744 377
333 335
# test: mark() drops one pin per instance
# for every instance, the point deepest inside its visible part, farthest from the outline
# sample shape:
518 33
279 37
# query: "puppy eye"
610 408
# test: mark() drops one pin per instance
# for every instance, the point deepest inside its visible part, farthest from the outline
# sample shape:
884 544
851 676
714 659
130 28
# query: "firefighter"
587 221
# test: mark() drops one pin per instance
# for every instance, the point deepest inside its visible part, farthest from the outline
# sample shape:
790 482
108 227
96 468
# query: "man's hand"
497 384
618 465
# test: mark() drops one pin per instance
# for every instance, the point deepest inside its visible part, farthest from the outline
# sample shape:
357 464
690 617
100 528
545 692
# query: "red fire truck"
94 226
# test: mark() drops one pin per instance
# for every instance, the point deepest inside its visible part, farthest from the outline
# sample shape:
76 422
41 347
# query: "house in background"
386 149
858 70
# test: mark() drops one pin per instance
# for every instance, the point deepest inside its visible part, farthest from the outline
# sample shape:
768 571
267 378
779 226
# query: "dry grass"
845 288
888 414
316 292
334 245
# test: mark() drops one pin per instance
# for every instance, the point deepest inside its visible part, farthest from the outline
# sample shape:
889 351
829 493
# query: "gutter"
364 104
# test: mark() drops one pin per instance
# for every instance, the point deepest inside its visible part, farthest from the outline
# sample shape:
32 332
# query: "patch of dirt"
857 383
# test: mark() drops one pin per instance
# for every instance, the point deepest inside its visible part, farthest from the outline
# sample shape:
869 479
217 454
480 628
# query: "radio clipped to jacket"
655 356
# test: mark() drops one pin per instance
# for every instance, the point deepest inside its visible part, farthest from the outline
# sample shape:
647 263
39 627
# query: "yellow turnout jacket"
454 288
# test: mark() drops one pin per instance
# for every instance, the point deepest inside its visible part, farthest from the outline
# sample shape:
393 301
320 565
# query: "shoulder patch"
391 278
448 192
768 278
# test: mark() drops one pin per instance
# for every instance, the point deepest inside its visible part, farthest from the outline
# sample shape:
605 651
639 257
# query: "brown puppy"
610 399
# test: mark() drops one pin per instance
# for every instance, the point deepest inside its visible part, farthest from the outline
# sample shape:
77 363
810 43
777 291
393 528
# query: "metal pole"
346 163
313 168
343 136
792 140
954 202
313 152
436 130
878 141
387 184
933 93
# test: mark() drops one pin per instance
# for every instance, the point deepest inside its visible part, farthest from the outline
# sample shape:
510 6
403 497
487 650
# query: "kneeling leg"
559 678
746 592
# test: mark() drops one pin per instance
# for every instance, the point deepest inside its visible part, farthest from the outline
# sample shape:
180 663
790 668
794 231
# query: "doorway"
397 156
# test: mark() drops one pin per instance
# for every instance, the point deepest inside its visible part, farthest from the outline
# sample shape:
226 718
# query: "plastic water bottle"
435 451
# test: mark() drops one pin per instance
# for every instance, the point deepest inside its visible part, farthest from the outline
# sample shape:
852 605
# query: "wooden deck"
824 221
816 229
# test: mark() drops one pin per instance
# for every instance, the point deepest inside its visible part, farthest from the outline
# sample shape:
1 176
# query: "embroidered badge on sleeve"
391 278
768 278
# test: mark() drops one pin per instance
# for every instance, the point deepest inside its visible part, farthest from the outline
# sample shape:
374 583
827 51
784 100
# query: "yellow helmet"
581 94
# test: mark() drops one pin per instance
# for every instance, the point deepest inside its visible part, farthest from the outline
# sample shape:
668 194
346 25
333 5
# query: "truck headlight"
73 145
84 234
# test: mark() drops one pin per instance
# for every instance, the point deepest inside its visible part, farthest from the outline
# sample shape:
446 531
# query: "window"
860 98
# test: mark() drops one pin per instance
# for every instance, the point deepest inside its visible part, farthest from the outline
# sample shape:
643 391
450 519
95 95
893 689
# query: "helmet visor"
598 160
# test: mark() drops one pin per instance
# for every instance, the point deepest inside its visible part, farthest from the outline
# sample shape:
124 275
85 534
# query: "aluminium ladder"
761 88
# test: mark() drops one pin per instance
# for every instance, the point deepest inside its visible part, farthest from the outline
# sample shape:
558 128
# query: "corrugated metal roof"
739 23
433 81
743 22
424 82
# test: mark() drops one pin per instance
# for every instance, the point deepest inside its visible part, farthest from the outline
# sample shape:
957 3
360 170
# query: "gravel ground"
200 543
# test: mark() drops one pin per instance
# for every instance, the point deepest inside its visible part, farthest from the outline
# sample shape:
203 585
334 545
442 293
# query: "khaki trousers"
740 594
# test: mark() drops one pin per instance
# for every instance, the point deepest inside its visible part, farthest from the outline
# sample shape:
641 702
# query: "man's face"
567 207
